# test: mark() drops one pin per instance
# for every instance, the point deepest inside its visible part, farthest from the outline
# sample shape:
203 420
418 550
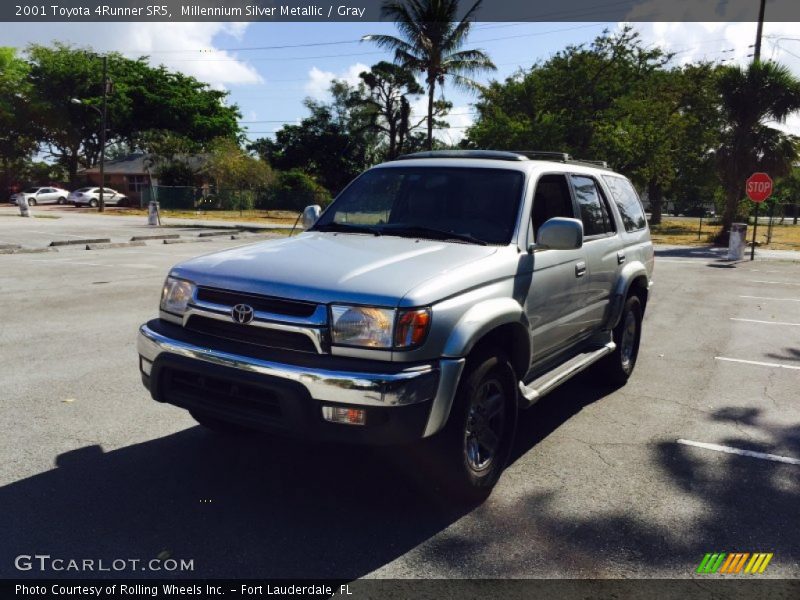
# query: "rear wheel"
31 201
92 203
217 425
477 441
62 200
618 366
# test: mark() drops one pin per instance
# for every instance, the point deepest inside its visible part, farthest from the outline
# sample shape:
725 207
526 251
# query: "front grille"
206 393
250 334
269 304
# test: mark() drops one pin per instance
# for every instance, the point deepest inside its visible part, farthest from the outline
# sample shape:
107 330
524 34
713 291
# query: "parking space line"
757 363
766 322
765 298
774 282
729 450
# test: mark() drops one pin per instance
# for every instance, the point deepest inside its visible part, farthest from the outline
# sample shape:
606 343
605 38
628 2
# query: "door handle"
580 269
620 257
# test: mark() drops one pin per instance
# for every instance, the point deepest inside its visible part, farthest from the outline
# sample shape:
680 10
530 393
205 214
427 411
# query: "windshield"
472 205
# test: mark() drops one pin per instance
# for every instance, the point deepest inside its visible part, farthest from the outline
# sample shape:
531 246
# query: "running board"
533 392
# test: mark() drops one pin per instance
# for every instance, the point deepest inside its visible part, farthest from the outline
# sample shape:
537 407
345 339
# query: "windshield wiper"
431 232
348 228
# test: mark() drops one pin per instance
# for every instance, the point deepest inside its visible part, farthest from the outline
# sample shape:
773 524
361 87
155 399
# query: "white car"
90 196
42 195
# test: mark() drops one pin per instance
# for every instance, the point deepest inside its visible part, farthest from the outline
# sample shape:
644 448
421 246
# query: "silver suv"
435 297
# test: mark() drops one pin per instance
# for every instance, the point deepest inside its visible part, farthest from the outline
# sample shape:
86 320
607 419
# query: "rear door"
556 290
603 250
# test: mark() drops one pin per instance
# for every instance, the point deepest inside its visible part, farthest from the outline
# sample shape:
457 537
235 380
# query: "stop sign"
759 187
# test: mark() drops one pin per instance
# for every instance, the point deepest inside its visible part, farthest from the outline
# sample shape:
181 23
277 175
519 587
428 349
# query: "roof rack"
489 154
510 155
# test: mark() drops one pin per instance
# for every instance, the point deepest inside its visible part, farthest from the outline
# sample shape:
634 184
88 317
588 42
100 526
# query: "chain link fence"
246 202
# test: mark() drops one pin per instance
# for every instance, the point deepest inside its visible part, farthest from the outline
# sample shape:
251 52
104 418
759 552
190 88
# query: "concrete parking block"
78 242
187 240
105 246
157 236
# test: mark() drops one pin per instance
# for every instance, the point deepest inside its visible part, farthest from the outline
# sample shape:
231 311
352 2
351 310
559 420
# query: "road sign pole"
755 228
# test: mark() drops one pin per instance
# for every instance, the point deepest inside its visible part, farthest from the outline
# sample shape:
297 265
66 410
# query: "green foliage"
142 99
750 97
174 173
228 166
18 131
431 43
333 145
294 190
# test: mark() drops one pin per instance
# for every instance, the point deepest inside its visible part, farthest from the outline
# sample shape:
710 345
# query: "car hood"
332 267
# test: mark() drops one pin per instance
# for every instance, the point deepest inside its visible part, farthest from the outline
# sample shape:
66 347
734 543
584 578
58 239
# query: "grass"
685 233
250 216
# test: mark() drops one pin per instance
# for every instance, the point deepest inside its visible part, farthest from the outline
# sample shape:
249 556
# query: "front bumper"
283 392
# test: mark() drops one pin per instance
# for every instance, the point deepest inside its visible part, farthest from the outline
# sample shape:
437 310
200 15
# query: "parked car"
437 296
42 195
90 196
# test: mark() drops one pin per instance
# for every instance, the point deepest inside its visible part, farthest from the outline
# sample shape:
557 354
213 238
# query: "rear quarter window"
628 203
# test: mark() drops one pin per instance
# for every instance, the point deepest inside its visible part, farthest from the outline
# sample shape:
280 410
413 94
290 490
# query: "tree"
294 190
389 86
143 99
229 166
750 97
333 145
430 43
18 131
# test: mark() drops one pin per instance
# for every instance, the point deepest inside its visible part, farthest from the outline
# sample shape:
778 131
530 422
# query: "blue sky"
269 85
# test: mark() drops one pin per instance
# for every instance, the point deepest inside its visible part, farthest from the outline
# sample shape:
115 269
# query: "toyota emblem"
242 313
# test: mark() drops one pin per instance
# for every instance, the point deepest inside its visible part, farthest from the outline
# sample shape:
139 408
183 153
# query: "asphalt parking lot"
700 452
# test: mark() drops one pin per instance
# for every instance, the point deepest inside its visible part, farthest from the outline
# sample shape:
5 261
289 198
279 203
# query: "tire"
473 450
92 203
32 202
218 426
618 366
62 201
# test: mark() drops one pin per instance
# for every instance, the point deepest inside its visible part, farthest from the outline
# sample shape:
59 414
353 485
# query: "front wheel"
31 202
62 200
618 366
477 441
92 203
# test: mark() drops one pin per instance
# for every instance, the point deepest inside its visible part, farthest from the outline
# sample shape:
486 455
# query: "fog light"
348 416
145 365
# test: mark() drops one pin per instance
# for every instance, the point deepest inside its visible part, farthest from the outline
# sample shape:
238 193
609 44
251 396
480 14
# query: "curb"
104 246
161 236
215 233
27 250
78 242
186 241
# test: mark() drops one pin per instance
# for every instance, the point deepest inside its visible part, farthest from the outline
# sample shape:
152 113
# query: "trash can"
737 241
152 214
24 208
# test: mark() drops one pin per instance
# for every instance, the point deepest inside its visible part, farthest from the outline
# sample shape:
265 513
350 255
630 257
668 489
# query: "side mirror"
560 233
310 215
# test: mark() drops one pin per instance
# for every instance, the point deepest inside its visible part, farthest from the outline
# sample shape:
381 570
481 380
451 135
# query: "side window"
628 203
594 213
552 199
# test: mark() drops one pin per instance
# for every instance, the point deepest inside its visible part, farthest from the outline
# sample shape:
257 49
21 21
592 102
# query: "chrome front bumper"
435 381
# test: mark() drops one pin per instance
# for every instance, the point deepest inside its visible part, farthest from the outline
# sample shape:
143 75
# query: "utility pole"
757 51
102 205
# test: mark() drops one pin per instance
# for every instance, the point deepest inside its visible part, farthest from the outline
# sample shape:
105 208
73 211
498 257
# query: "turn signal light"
412 327
348 416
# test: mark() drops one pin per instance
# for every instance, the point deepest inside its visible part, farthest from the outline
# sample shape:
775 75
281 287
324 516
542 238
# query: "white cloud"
729 43
319 81
175 45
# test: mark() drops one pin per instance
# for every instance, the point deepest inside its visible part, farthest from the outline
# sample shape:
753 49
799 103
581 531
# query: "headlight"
383 328
176 295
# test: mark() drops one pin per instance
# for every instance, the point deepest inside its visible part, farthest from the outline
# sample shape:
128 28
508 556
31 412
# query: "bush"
294 190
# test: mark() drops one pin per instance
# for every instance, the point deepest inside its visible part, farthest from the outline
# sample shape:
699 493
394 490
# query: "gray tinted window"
627 201
593 210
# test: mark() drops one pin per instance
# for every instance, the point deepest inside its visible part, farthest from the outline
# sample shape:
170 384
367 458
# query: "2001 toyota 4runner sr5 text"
437 296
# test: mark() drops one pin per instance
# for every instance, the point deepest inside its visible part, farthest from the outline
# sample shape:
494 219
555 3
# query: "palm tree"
750 97
430 43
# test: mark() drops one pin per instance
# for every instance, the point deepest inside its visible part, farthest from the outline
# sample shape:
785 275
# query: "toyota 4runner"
435 297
